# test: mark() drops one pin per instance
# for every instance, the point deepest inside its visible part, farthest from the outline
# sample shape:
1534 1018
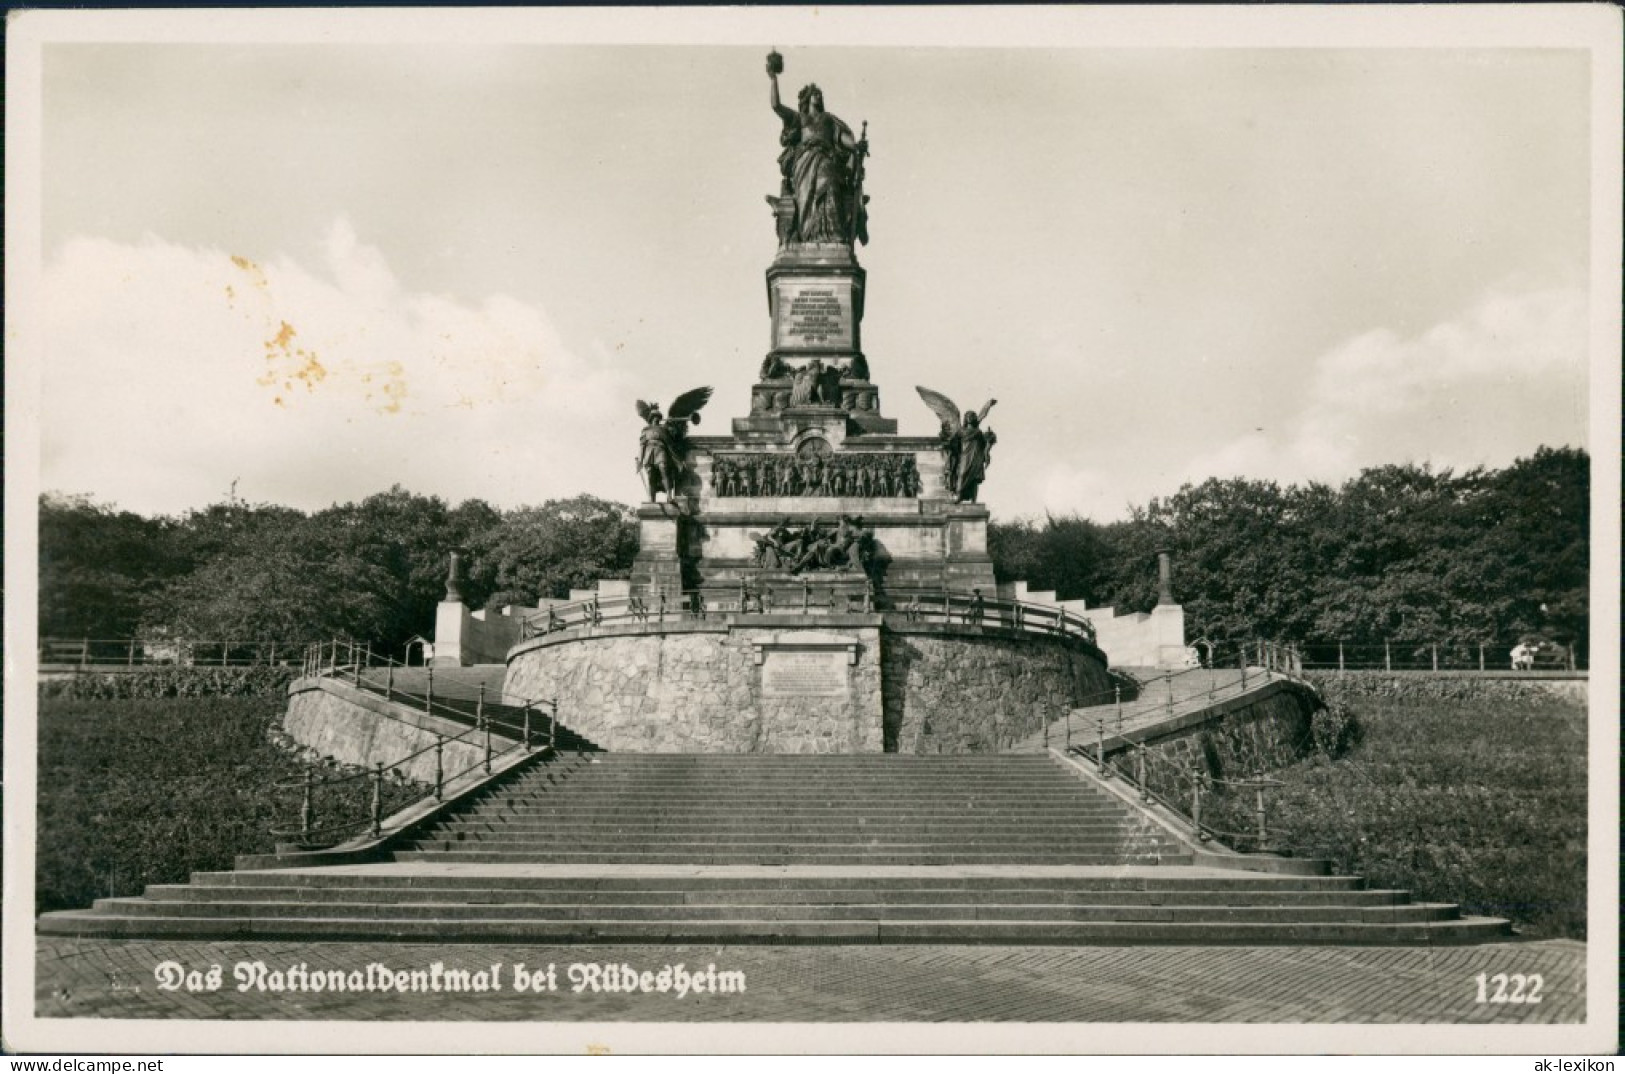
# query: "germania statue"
663 443
822 165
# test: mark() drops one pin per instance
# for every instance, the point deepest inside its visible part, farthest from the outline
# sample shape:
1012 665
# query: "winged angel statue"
663 443
967 448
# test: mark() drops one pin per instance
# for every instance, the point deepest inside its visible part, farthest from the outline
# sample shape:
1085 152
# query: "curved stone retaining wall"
796 684
358 727
951 691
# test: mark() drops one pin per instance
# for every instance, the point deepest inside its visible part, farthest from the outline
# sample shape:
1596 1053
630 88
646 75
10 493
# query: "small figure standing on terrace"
978 607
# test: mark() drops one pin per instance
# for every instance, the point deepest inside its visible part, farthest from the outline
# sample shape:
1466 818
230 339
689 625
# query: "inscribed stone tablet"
791 673
813 315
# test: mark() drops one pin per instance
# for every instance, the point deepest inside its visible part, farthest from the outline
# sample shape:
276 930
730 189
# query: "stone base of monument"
827 680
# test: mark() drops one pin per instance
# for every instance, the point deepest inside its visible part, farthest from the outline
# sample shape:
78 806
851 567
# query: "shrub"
160 682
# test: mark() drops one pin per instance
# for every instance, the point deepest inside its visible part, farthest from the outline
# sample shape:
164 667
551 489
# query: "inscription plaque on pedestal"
813 315
816 673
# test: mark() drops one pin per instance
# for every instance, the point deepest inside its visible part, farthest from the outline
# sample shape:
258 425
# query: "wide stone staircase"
756 809
783 849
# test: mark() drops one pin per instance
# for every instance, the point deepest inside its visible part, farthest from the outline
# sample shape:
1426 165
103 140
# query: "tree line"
373 570
1399 553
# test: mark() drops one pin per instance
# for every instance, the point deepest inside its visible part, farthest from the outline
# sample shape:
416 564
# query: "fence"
1439 656
137 652
917 606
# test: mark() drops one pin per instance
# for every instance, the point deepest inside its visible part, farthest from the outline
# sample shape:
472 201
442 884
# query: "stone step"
778 931
1008 895
795 881
470 827
977 911
659 855
636 844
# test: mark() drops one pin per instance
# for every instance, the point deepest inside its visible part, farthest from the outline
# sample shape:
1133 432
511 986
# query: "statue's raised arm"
821 166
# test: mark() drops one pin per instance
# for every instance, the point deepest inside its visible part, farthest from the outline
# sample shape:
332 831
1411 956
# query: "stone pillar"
1165 578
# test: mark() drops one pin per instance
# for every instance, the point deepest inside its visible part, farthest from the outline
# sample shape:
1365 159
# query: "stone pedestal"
815 302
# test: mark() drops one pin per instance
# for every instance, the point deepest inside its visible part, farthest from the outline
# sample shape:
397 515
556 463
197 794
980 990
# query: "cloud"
170 371
1485 387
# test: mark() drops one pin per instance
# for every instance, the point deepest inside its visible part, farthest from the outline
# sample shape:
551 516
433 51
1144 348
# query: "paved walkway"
115 979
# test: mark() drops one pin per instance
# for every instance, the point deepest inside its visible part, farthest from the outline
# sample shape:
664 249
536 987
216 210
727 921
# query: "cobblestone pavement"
116 979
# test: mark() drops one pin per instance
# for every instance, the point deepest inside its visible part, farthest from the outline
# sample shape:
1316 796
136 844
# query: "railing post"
84 652
1340 658
1100 746
1435 656
1570 648
527 727
1196 804
1168 680
225 648
307 807
1046 736
377 799
1068 730
553 726
428 691
1481 656
389 682
132 653
1387 657
479 715
270 661
1139 771
1263 831
1117 699
439 767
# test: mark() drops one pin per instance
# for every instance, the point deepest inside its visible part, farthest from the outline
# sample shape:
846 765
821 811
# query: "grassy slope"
135 792
1477 802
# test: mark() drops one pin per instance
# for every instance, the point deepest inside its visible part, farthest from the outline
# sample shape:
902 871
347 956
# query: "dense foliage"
1399 553
163 681
1480 802
373 570
137 792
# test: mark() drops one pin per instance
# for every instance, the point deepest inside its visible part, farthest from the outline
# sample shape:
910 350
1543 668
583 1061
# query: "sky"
301 273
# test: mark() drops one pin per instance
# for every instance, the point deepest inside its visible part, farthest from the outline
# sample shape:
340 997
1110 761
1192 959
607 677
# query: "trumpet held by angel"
967 447
663 443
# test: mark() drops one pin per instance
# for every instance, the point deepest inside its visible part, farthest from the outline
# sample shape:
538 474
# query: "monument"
810 579
814 486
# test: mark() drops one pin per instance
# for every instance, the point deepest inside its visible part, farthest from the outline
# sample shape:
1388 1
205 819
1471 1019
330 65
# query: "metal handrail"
1199 780
823 597
322 661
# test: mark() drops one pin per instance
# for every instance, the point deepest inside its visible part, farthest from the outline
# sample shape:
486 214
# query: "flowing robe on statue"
815 163
974 450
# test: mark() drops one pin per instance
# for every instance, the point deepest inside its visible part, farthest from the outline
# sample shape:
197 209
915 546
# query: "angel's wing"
644 409
982 414
942 406
688 405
